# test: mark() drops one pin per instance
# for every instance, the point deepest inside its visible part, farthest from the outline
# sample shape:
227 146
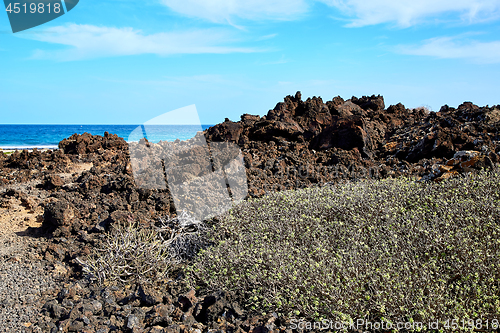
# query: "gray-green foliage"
392 249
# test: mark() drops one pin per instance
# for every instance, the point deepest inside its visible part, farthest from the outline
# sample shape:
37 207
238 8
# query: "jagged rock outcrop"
356 123
297 144
87 143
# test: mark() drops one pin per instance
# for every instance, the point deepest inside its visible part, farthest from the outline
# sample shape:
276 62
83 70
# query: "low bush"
391 250
135 254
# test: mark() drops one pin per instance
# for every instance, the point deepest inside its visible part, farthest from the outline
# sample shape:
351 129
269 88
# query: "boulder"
346 133
57 214
374 103
462 162
53 181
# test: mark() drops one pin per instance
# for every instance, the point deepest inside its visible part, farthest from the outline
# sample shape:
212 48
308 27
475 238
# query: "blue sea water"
49 136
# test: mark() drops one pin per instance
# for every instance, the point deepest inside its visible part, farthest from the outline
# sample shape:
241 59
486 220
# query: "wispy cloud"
89 41
455 48
224 11
405 13
357 13
266 37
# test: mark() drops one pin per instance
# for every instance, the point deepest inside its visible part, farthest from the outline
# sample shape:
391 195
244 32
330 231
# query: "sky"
126 62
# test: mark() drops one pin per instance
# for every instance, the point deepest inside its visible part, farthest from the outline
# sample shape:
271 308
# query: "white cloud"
266 37
456 48
223 11
89 41
406 13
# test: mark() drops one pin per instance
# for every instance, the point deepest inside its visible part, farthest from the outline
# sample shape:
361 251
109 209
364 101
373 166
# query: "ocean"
48 136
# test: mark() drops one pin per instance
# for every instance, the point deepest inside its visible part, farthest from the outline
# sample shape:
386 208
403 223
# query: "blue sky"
125 62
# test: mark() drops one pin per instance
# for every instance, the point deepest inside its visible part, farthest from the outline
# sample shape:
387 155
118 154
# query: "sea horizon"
47 136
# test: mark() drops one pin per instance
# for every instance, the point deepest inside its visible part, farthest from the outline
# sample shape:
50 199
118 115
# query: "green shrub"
393 249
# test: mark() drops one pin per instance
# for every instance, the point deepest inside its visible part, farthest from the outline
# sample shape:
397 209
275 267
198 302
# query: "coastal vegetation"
389 250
